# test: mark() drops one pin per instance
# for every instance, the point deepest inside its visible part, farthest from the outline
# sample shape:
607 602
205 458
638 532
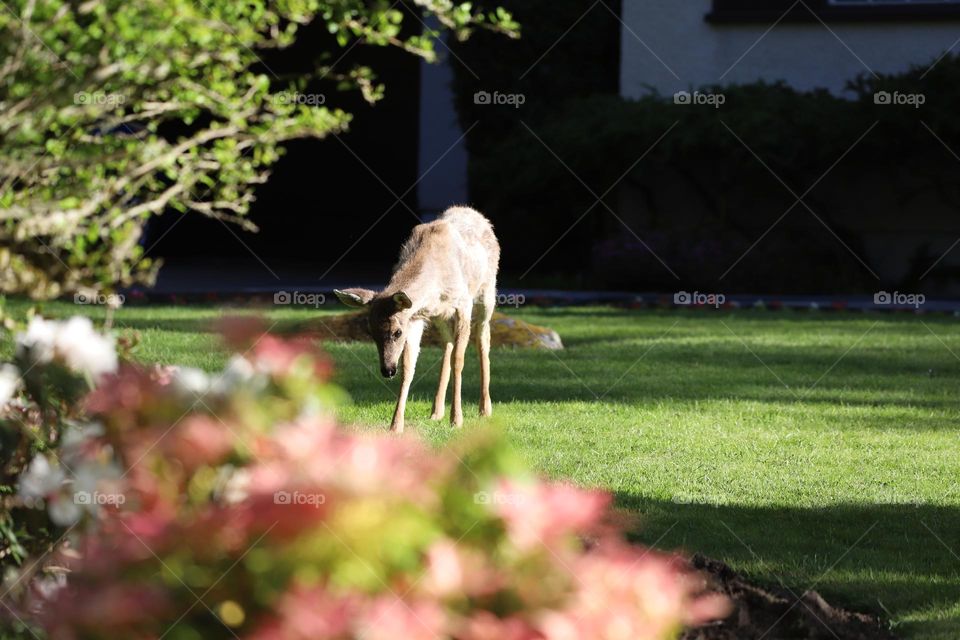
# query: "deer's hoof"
436 415
396 428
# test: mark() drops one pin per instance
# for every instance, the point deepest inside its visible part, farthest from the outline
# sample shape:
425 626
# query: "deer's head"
388 317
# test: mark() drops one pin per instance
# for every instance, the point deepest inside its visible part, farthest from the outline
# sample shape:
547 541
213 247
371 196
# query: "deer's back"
459 250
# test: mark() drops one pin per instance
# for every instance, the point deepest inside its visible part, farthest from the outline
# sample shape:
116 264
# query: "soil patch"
774 613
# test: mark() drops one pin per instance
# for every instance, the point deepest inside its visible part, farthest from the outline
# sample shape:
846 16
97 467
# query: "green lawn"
816 449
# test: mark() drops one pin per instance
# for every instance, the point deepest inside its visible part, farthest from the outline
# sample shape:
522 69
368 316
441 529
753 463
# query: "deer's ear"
355 297
402 300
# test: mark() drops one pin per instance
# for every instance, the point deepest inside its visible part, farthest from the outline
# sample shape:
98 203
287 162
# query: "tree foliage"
115 110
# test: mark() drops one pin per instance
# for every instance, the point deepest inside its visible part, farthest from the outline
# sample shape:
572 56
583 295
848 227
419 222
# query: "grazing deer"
446 275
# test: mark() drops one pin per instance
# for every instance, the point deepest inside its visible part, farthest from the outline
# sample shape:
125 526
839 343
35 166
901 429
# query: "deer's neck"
419 283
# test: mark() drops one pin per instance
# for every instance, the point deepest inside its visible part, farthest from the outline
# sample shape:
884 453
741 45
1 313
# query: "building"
670 46
869 208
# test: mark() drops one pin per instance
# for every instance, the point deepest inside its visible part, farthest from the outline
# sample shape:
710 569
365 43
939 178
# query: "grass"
815 449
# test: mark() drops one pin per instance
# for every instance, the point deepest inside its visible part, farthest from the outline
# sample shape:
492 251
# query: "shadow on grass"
887 559
207 325
683 373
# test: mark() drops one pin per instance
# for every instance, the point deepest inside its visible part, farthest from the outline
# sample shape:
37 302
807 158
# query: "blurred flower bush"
200 506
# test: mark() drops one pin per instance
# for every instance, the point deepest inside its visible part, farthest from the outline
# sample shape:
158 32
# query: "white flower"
39 340
9 383
93 477
191 380
236 489
84 350
78 433
50 586
40 479
64 511
68 500
237 372
75 342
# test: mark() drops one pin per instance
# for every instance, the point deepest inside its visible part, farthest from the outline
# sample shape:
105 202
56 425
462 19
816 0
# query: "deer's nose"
388 372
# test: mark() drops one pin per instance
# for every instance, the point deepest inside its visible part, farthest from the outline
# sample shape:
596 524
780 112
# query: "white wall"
805 55
442 160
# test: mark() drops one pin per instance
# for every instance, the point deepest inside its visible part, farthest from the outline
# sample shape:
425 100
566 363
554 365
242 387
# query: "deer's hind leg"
483 313
446 337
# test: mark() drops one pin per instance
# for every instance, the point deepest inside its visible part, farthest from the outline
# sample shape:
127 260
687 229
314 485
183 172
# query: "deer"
446 276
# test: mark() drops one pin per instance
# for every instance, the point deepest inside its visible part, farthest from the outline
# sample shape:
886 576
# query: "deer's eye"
396 334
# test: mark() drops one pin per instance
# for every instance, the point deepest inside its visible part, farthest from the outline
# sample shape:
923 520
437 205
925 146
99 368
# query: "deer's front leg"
460 341
446 336
440 398
411 350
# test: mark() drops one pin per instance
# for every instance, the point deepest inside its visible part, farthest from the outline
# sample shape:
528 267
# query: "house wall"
806 55
442 153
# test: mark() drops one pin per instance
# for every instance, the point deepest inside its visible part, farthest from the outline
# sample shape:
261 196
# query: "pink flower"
115 610
283 515
199 440
239 332
537 513
390 618
483 625
457 571
626 593
309 613
276 356
129 398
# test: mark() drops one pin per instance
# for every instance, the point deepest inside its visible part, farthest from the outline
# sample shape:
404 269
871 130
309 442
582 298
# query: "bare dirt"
775 613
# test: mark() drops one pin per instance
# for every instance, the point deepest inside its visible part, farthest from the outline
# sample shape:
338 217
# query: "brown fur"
446 275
